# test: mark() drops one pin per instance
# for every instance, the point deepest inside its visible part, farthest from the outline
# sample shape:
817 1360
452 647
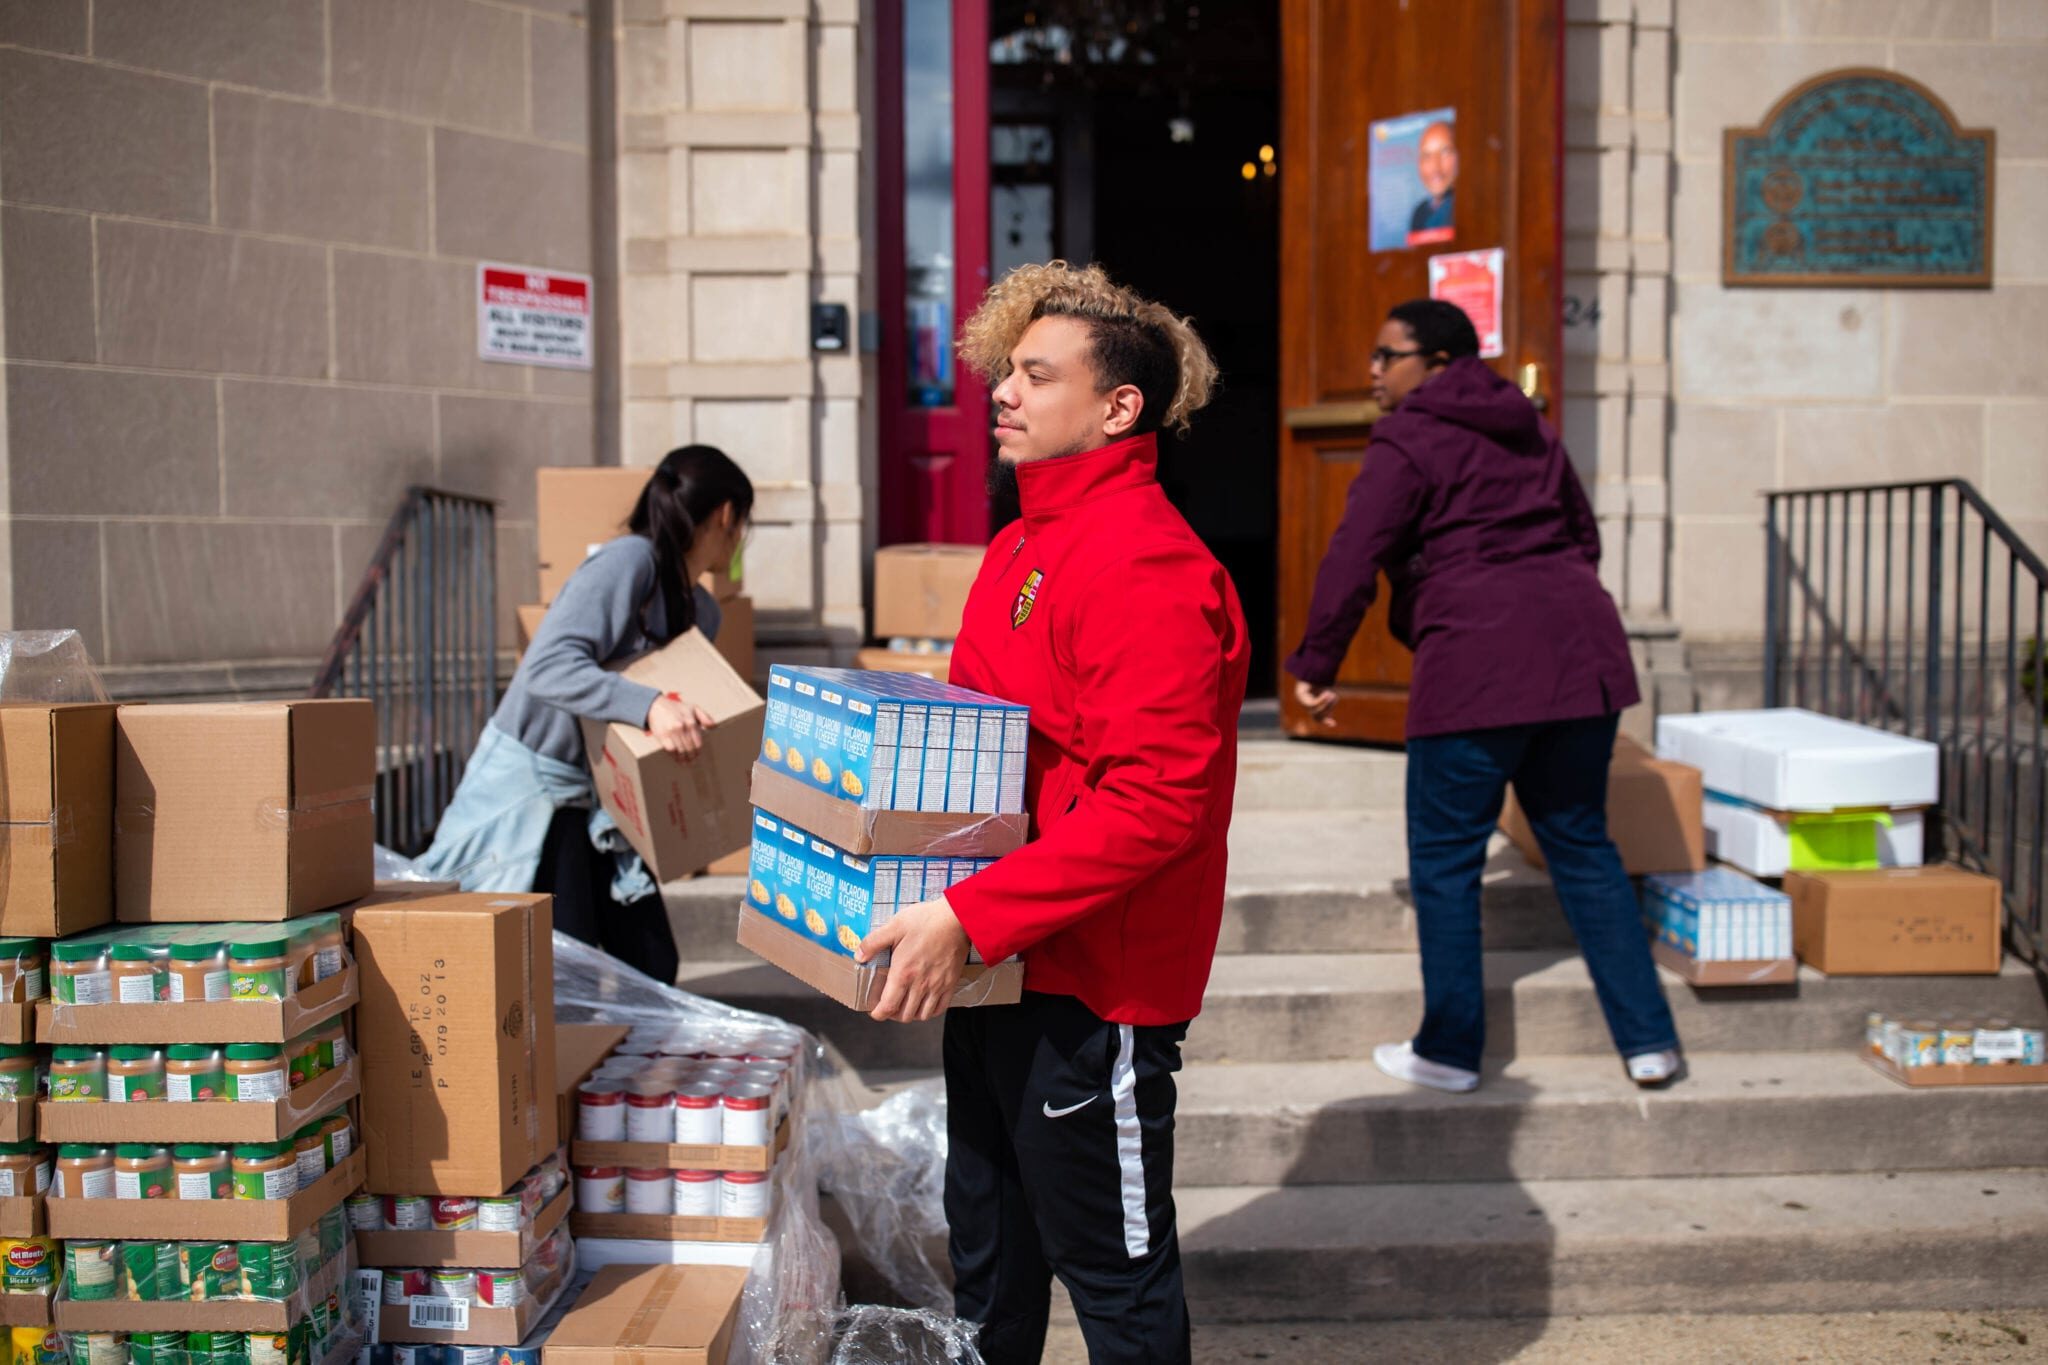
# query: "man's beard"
1005 505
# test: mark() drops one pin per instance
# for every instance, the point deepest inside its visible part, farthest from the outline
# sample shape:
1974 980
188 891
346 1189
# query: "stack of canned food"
513 1211
187 1170
504 1287
194 963
1954 1041
692 1087
181 1072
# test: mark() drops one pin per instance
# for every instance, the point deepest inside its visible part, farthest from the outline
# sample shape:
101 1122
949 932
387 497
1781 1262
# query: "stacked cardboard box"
202 1073
920 594
655 1315
1653 814
457 1033
874 792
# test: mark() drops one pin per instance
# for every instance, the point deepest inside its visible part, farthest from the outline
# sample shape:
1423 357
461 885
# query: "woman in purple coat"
1469 504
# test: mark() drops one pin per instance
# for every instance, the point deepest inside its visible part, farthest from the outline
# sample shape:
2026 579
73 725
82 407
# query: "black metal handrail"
419 639
1925 633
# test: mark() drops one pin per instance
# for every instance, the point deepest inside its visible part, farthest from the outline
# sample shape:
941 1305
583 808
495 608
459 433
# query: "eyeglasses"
1384 356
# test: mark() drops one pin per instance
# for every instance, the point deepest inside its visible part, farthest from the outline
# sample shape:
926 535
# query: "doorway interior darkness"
1152 150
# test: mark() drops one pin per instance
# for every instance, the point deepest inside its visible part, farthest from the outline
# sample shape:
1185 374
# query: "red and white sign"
1472 280
532 317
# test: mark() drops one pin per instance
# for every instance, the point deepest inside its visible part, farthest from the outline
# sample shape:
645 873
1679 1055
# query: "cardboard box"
735 641
1653 814
725 584
652 1315
56 819
215 1121
23 1216
328 1282
1719 928
1921 921
18 1021
1770 971
529 623
18 1120
731 865
857 987
1794 760
577 510
426 1319
835 898
866 832
938 666
1948 1074
242 811
679 1156
26 1310
206 1220
457 1023
578 1050
219 1021
680 815
658 1227
1766 843
921 590
489 1250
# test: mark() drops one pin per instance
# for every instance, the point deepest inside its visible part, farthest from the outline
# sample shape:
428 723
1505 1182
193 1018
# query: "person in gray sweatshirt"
525 817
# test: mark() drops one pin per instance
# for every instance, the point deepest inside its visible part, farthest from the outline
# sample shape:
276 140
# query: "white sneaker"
1399 1061
1654 1068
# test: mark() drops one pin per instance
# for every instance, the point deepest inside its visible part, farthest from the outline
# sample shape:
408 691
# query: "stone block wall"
238 248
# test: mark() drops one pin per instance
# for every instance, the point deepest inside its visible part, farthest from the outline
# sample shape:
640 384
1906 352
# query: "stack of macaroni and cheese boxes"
196 1133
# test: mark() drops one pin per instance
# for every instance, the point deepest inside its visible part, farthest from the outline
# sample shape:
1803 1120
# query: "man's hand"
1319 702
678 726
928 948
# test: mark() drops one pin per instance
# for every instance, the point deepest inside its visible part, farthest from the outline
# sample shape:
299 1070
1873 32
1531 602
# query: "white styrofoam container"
1795 760
1754 841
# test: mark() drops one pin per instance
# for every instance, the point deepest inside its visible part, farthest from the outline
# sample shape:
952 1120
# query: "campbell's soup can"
601 1111
650 1114
696 1194
650 1191
500 1288
700 1114
407 1213
452 1214
601 1189
747 1110
446 1283
743 1194
503 1213
400 1285
366 1212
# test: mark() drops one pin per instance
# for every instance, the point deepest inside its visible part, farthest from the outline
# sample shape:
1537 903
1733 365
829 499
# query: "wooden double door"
1486 78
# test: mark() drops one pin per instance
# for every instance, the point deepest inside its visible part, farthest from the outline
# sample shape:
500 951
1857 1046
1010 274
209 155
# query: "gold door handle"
1531 384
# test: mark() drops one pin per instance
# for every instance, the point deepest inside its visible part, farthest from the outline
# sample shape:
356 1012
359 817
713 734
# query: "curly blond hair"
1123 326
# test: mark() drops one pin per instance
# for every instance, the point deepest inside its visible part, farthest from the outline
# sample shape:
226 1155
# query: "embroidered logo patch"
1027 597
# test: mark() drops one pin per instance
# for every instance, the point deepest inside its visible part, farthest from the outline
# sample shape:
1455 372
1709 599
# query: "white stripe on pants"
1130 1145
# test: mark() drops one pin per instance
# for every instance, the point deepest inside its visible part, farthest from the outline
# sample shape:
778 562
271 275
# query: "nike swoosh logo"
1053 1113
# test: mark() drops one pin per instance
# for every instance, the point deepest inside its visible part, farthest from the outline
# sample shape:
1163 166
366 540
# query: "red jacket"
1102 612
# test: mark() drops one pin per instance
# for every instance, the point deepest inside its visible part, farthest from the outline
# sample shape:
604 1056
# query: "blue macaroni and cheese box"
1719 928
893 763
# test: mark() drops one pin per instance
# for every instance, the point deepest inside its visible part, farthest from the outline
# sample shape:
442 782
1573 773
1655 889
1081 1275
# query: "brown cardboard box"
921 590
219 1122
937 667
724 584
490 1250
862 832
1896 921
736 637
1763 971
578 1050
579 509
26 1310
22 1216
485 1326
858 987
57 805
198 1021
457 1025
529 623
680 1156
18 1120
652 1315
1653 814
208 1220
242 811
679 815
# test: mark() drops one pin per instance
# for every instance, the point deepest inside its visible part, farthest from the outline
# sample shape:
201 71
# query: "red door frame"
932 460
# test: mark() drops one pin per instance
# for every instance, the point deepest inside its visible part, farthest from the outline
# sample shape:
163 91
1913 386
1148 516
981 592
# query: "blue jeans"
1456 784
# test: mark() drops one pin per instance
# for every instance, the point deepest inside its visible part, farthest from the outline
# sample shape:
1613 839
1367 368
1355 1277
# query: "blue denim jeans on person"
1456 785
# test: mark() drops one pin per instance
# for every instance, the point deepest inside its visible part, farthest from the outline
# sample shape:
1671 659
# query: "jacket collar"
1045 488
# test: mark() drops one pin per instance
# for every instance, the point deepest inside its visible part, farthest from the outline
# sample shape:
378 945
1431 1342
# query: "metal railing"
1915 607
420 640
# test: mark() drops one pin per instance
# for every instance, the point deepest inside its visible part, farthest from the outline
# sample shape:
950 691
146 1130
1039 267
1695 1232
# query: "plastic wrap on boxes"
47 666
903 1336
886 1167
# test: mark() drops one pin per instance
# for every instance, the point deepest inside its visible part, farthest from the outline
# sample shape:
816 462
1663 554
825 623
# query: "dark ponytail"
688 487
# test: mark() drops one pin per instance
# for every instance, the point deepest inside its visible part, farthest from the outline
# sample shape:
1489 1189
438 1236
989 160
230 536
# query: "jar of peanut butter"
142 1170
257 1072
20 1075
24 966
199 972
332 1038
137 973
78 1074
85 1171
309 1147
203 1171
330 953
258 970
24 1169
195 1072
266 1170
340 1135
78 974
135 1073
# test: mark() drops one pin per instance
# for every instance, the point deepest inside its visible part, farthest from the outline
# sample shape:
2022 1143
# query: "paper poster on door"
1473 281
1412 180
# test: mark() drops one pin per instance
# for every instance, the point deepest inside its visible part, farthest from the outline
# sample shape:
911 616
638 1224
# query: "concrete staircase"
1783 1174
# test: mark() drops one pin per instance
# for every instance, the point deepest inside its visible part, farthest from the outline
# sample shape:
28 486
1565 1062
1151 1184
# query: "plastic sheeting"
47 666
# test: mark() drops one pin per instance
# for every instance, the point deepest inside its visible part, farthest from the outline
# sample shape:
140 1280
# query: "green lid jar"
20 1072
203 1170
78 973
138 974
195 1072
135 1074
266 1170
142 1170
258 970
199 971
24 970
256 1072
78 1074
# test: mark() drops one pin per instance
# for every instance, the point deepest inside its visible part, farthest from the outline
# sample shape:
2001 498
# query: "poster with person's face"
1412 180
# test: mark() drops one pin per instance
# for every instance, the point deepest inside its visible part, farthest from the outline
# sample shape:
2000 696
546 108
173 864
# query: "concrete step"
1567 1118
1754 1244
1278 774
1293 1008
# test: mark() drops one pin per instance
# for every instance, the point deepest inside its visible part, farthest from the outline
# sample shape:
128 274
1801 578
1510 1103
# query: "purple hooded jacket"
1470 505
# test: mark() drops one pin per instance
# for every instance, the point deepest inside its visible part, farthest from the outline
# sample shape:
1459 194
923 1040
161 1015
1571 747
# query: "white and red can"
748 1110
601 1111
696 1194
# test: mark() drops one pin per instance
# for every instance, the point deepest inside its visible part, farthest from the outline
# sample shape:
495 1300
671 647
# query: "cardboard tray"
220 1021
579 1049
655 1227
219 1121
857 987
17 1120
18 1021
1918 1076
488 1250
25 1310
217 1315
487 1326
1776 971
862 832
205 1220
678 1156
23 1216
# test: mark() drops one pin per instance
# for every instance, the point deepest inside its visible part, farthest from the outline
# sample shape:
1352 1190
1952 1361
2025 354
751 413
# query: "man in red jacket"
1102 611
